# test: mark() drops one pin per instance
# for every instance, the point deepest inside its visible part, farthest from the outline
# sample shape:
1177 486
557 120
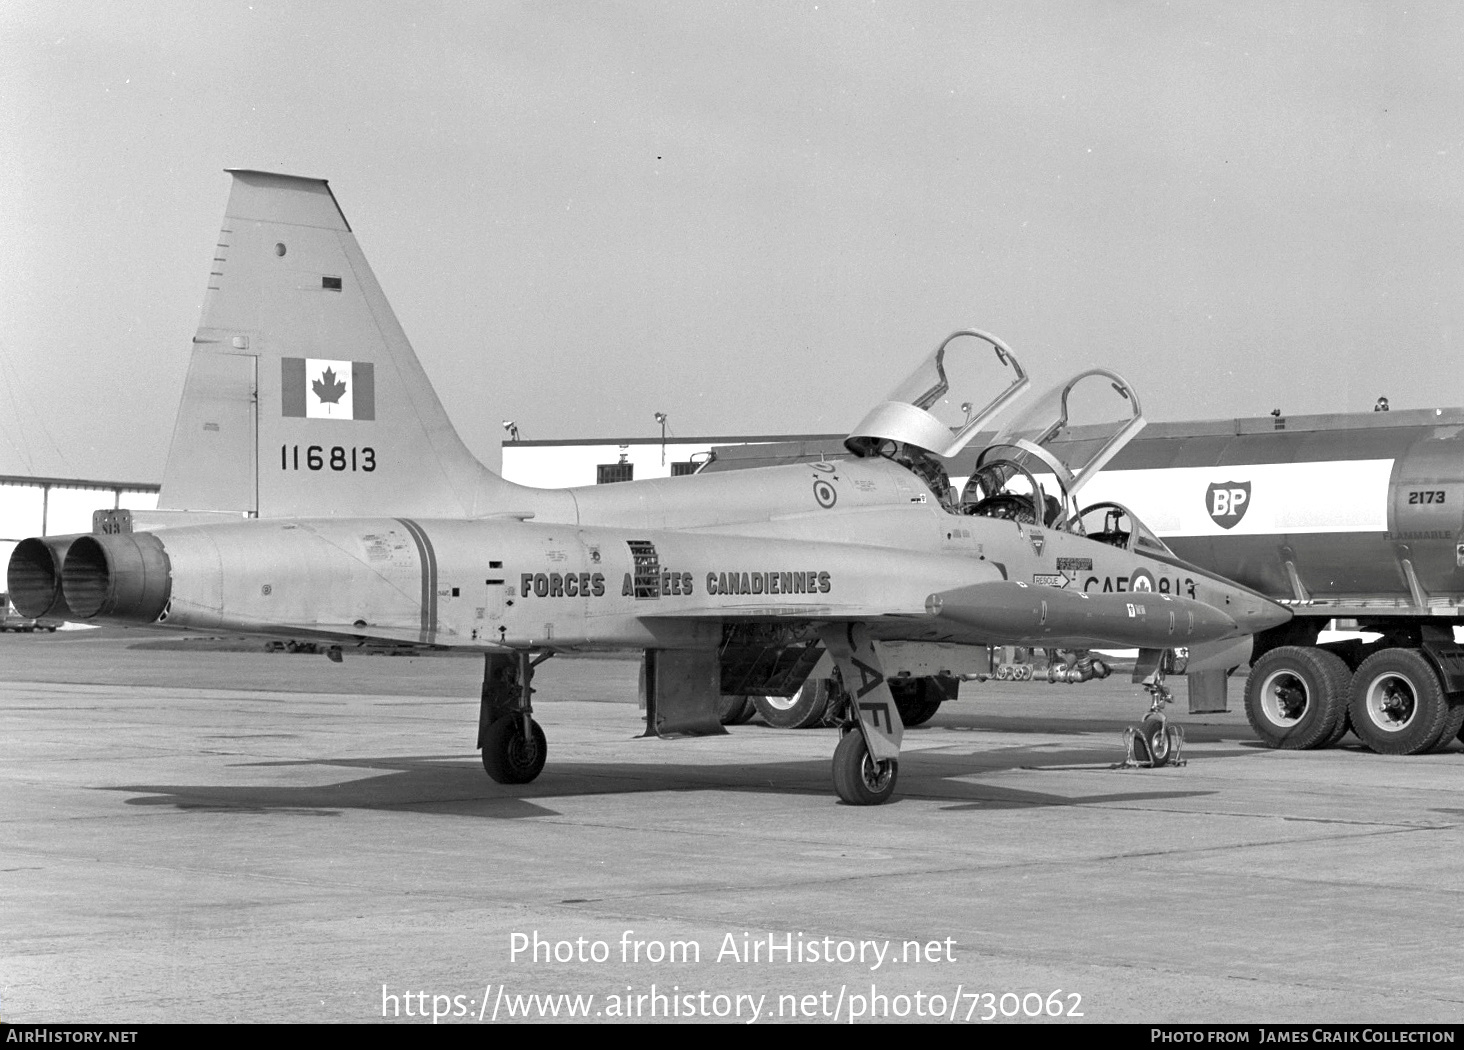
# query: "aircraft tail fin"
304 397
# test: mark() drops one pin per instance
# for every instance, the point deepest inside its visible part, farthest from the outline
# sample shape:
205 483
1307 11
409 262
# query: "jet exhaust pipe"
34 576
124 577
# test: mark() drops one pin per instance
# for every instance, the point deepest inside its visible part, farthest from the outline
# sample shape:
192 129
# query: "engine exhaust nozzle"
123 577
34 576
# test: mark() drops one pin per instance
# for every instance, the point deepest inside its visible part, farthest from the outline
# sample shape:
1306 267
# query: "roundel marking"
1141 580
824 467
825 493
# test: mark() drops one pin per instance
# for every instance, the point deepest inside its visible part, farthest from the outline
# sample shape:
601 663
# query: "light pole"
661 418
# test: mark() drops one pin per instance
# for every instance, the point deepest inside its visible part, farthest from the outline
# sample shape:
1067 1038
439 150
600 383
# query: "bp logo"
1227 502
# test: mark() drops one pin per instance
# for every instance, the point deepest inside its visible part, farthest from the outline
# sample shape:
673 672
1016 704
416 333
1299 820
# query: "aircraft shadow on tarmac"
455 784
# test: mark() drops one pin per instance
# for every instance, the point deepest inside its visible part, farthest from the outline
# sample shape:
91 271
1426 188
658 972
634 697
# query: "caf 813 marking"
733 583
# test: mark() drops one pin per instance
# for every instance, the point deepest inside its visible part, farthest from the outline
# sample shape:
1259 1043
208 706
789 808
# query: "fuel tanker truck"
1349 517
1354 517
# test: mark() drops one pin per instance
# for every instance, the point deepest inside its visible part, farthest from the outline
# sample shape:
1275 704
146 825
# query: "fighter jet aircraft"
315 489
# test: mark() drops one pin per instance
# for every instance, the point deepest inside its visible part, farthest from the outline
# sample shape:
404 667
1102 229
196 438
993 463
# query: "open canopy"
960 387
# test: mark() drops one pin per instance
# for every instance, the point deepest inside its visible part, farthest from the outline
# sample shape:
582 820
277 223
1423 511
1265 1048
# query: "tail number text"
337 457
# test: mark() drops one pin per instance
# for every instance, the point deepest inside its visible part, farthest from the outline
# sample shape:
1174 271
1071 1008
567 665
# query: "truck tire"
1296 697
1344 726
917 699
1398 704
734 709
803 709
1453 725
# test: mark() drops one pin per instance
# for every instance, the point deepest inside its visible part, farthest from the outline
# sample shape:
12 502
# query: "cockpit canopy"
941 405
1059 442
1116 525
1034 467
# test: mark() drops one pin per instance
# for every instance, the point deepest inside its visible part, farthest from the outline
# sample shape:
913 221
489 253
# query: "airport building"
55 506
600 461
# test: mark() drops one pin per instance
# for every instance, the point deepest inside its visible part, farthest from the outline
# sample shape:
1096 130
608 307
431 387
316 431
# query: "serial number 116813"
337 457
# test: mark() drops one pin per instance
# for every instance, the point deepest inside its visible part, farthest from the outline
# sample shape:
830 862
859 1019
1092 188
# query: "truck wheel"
1453 724
803 709
734 709
1398 705
1296 696
916 700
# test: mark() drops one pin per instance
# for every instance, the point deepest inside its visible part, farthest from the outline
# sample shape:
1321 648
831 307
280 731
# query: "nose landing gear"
1154 742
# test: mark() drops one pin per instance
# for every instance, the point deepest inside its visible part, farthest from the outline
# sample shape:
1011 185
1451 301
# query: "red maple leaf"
327 389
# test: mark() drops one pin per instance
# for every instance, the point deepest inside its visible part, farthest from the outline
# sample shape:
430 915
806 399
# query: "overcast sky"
753 217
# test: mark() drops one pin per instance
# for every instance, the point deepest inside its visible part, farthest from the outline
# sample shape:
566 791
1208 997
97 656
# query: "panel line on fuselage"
427 558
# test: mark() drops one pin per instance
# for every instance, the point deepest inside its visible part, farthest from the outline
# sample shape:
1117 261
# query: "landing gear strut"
1155 742
867 760
513 745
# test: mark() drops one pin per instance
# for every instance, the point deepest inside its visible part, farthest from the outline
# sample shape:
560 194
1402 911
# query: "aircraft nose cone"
1258 614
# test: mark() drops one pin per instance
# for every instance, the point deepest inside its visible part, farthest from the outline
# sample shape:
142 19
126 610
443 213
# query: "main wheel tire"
916 700
1296 696
858 778
508 755
734 709
1398 704
803 709
1155 734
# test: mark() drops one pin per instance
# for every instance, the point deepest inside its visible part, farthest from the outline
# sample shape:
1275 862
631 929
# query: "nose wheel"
1154 742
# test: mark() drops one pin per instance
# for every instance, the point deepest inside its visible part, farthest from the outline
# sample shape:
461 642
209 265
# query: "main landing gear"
513 745
858 778
867 760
